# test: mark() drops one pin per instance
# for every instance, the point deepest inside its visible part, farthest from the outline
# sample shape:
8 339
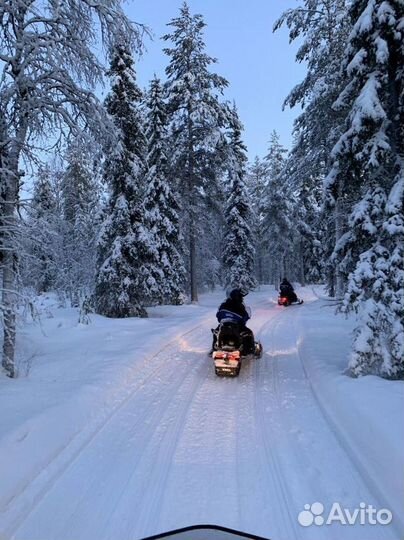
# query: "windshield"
205 532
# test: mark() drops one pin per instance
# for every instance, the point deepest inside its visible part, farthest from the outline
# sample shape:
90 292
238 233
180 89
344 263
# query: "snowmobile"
284 300
229 349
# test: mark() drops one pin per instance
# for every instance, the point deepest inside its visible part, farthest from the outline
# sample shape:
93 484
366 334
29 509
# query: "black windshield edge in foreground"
205 527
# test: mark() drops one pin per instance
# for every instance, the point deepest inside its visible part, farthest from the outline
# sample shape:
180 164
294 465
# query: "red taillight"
223 355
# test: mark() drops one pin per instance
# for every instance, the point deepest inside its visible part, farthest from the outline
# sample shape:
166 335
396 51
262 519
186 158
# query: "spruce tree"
161 204
40 264
119 290
307 220
196 118
368 158
80 200
238 257
322 26
277 227
256 188
79 185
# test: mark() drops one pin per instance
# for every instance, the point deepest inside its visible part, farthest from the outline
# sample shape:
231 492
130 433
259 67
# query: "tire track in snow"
210 431
203 478
111 507
152 502
21 505
268 437
344 444
348 484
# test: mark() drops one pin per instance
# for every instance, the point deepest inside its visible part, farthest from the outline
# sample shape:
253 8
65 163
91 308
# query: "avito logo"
364 514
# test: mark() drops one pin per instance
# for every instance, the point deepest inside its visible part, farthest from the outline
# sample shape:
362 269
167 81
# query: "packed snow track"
187 447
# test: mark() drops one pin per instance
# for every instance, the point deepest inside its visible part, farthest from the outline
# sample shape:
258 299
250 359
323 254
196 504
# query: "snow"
367 104
374 445
120 429
385 13
365 20
357 64
396 196
382 50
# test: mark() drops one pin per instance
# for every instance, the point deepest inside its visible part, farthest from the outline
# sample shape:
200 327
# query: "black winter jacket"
235 307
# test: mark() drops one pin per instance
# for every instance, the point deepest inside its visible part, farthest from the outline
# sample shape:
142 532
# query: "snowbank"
73 375
367 413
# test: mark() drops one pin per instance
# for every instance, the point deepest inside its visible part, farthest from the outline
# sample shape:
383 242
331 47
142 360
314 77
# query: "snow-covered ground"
120 429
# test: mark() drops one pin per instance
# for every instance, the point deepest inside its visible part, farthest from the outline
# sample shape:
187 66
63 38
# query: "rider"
286 289
233 310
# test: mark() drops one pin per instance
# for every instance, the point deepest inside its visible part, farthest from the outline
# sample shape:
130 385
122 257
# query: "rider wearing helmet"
234 310
286 289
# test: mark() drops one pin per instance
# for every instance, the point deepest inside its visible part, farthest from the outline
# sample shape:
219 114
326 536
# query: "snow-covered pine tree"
79 185
256 189
40 264
162 207
323 27
277 226
370 156
238 259
211 217
50 65
81 207
308 227
196 118
123 244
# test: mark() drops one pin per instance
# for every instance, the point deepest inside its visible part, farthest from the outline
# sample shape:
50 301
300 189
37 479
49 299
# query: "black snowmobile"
287 295
232 345
284 300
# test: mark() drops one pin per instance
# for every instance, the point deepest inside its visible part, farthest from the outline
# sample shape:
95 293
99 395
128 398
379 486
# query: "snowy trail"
188 447
145 405
310 460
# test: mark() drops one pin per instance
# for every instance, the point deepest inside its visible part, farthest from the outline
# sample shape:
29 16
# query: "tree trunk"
192 262
260 268
191 204
277 274
339 231
10 181
282 268
302 268
331 284
9 269
9 318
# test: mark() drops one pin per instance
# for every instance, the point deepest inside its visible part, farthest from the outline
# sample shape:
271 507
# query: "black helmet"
237 294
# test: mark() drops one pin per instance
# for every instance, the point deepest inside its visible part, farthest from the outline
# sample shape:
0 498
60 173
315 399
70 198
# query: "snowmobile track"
30 496
353 457
189 381
355 478
159 476
267 437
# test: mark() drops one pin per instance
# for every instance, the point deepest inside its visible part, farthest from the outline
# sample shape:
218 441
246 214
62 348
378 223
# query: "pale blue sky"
259 65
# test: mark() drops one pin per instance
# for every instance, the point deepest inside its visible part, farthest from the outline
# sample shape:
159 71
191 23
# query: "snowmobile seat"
229 336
